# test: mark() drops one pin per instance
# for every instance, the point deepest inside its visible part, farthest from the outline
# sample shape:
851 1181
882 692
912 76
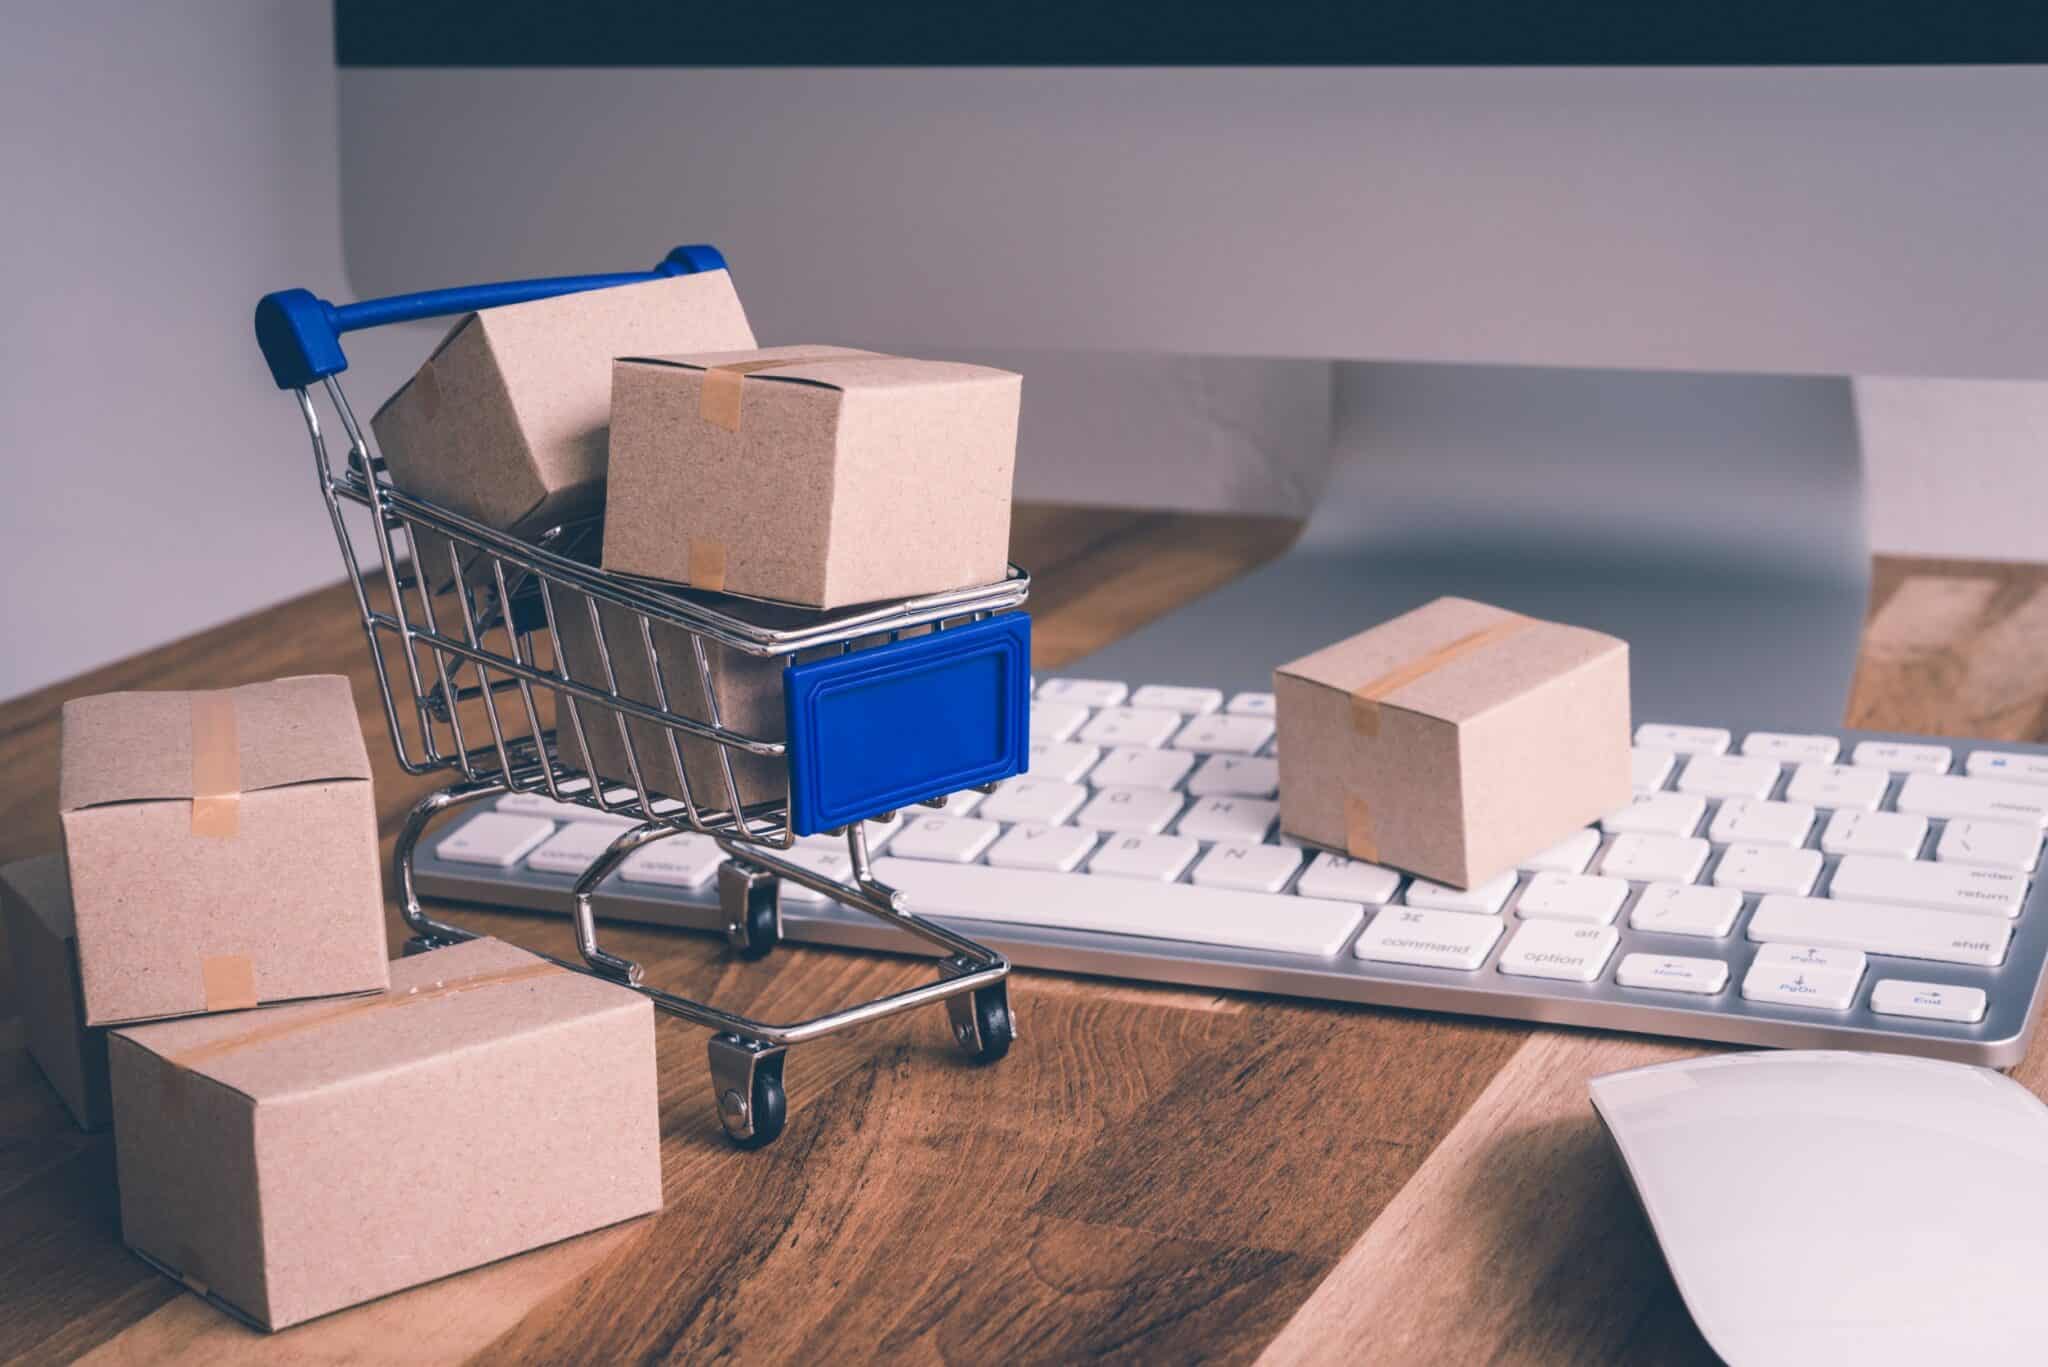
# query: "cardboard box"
35 897
749 692
819 476
506 422
1453 741
288 1162
222 848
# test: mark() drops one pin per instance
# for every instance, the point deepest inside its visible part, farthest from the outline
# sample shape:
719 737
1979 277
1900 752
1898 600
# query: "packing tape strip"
707 564
216 767
229 981
719 400
264 1033
1358 834
1365 699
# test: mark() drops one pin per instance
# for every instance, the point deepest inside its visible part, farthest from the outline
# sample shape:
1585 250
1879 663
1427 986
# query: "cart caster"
748 1080
422 944
982 1024
752 901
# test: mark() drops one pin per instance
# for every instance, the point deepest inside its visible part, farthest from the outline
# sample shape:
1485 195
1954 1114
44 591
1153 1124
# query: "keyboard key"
1919 883
1957 937
1250 705
1763 868
1253 868
1672 973
1837 786
1649 768
959 804
1160 858
1888 833
1485 900
1222 734
1557 949
1246 820
1064 760
2008 765
1146 726
1685 740
1785 985
1928 1001
1113 906
1233 776
1086 692
1056 721
1990 844
573 848
1901 757
1686 909
1345 879
1658 814
1027 846
1950 795
1186 701
834 864
1761 823
1569 855
1729 776
681 861
540 804
953 839
1572 897
1797 749
1135 767
1655 858
1044 801
1428 939
498 839
1818 958
1141 810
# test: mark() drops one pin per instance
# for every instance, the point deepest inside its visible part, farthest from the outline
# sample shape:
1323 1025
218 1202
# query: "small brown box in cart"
819 476
289 1162
1453 741
222 848
36 900
506 422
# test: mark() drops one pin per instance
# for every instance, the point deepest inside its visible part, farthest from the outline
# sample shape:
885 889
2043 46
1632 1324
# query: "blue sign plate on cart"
883 728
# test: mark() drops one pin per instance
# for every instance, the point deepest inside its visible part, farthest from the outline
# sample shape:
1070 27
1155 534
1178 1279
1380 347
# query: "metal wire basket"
516 666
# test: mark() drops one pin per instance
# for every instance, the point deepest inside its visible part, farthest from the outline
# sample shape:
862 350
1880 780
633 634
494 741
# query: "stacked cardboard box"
221 854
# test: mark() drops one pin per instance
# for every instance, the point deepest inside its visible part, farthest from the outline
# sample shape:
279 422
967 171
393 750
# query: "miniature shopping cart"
465 627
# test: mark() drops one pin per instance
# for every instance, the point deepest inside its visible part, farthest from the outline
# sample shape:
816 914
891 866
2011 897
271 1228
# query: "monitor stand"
1713 521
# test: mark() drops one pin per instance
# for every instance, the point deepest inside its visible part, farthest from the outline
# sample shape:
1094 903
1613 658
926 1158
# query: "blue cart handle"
300 333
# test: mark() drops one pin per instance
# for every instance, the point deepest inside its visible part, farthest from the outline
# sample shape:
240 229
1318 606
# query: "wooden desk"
1152 1173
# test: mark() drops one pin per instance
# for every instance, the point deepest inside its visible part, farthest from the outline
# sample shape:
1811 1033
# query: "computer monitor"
1591 327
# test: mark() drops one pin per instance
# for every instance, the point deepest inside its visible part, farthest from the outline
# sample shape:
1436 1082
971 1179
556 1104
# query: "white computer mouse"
1823 1207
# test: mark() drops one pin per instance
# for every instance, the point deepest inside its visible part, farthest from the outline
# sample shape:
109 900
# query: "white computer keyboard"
1850 890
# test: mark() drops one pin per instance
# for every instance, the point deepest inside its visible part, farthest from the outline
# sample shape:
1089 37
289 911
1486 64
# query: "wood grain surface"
1153 1173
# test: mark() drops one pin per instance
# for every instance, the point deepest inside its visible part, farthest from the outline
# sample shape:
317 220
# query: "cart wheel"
752 901
770 1109
419 944
992 1023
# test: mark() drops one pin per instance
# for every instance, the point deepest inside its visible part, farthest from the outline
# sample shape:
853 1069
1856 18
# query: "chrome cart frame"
477 659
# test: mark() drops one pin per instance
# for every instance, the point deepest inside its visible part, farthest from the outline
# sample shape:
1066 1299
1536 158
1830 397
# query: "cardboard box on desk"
1453 741
222 848
819 476
292 1161
506 422
36 899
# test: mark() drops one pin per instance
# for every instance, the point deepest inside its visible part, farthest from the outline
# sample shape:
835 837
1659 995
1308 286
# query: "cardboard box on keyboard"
222 848
1453 741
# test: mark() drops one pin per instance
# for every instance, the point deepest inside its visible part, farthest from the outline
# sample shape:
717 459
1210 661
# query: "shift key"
1956 937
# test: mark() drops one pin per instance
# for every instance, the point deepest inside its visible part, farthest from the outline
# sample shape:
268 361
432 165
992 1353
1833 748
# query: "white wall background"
165 164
